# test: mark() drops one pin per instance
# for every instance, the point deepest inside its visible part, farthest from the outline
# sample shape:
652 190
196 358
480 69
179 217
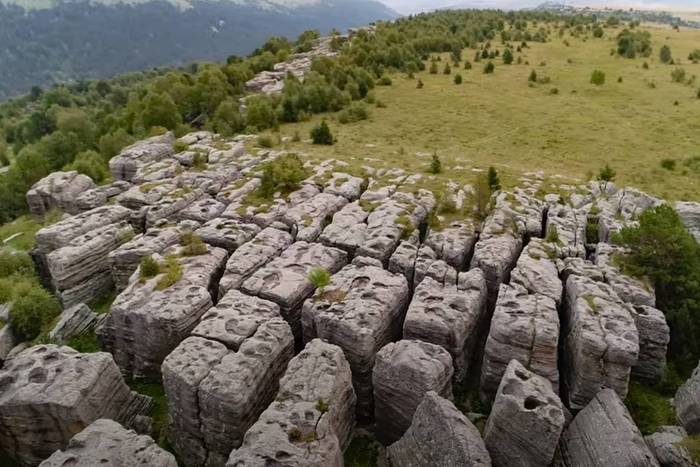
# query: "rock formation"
58 190
687 403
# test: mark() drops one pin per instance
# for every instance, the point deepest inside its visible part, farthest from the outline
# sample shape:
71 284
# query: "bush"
489 68
467 65
648 408
265 141
434 68
606 174
645 65
678 75
598 78
447 70
149 268
192 245
633 43
355 113
92 164
458 79
668 164
31 311
493 180
435 164
321 134
15 263
384 81
419 84
598 32
284 174
533 77
507 57
665 54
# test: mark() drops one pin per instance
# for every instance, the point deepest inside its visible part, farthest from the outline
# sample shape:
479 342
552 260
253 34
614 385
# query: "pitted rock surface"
226 233
58 190
665 444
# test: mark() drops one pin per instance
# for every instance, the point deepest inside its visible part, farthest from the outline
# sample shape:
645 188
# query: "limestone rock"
100 196
526 420
8 341
284 280
453 244
654 336
310 218
342 184
524 327
311 420
448 315
664 443
170 204
251 256
106 443
439 436
49 393
58 190
567 227
629 289
148 321
226 233
73 322
202 210
537 273
603 434
496 256
427 264
601 340
690 215
361 310
403 373
125 165
347 230
403 260
687 403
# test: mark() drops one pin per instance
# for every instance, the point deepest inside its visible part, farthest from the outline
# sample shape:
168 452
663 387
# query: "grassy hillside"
500 120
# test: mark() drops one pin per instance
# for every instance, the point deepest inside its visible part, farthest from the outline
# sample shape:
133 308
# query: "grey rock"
170 204
145 324
311 217
106 443
150 172
428 265
568 226
202 210
403 373
227 233
125 165
361 310
49 393
537 273
73 322
8 341
687 403
448 315
347 230
342 184
100 196
629 289
253 255
284 280
654 336
439 436
603 434
690 215
453 244
403 260
496 256
526 420
601 340
292 431
234 192
524 327
58 190
664 443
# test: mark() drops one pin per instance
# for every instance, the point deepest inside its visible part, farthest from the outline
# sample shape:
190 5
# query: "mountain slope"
60 40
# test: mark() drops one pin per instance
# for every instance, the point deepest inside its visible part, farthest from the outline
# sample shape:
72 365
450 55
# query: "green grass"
27 226
649 407
692 444
361 452
102 304
172 272
85 343
498 120
160 408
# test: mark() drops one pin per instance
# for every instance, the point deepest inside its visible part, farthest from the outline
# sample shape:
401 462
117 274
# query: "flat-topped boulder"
310 422
404 372
345 185
537 272
666 445
439 435
100 196
403 260
347 230
526 420
454 243
524 327
566 230
58 190
153 315
687 403
690 215
227 233
170 204
251 256
654 337
311 217
601 340
285 281
361 310
49 393
427 264
216 392
449 316
106 443
629 289
202 210
603 434
270 212
129 160
496 256
73 322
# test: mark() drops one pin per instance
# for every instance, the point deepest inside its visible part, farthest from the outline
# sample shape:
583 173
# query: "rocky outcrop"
537 272
654 336
152 316
526 420
496 255
629 289
427 264
285 281
216 393
125 165
439 435
690 215
310 422
524 327
361 311
601 340
50 393
58 190
403 260
227 233
566 230
106 443
603 434
73 322
311 217
347 230
100 196
453 244
687 403
403 373
253 255
201 210
665 443
449 316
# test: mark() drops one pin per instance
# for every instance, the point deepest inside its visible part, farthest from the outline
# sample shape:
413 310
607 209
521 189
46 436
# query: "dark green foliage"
321 134
458 79
630 44
92 164
32 309
533 77
678 75
85 343
284 174
112 143
434 68
159 110
598 78
435 165
467 65
227 120
507 57
649 408
668 164
419 85
15 263
662 250
598 32
606 174
665 54
356 112
265 141
384 81
149 268
493 179
489 68
363 451
447 70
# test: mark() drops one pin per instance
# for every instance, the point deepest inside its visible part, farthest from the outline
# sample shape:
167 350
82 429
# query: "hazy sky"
410 6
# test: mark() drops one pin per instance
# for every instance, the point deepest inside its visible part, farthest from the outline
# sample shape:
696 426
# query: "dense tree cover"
633 43
662 249
47 130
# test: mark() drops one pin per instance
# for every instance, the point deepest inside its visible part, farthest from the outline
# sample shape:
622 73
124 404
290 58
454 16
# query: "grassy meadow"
567 128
